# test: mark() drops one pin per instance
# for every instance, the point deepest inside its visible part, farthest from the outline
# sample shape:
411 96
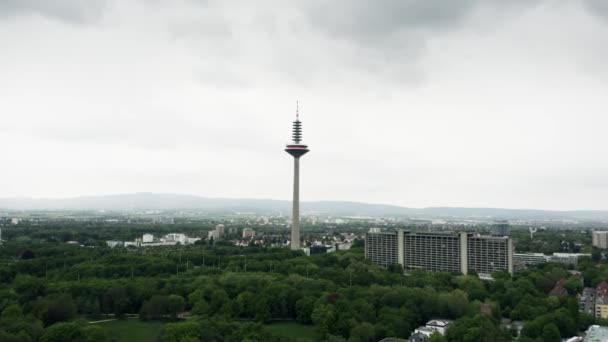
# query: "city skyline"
473 104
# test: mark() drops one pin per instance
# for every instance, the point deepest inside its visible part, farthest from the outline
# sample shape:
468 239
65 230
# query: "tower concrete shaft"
295 215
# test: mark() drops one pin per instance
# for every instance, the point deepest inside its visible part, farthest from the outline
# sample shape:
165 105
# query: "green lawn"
298 331
132 330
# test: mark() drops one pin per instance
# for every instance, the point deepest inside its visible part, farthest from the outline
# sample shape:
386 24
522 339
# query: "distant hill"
152 201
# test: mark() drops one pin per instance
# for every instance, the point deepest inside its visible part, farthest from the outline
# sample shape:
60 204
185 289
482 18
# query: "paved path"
114 319
103 321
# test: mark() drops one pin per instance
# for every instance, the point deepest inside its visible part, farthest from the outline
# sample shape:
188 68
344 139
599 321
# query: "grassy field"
294 330
132 330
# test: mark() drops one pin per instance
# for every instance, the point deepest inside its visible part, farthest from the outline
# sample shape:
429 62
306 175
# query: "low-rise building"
586 301
601 300
529 259
440 326
113 243
423 333
146 238
567 258
596 333
181 238
523 260
248 233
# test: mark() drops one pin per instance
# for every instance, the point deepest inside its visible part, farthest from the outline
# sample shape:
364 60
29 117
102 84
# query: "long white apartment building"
456 252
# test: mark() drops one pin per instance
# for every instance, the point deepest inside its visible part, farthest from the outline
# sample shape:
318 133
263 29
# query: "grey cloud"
395 24
598 7
372 22
73 11
390 36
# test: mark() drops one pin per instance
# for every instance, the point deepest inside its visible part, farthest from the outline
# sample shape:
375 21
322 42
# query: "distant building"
523 260
181 238
343 246
15 221
166 220
146 238
219 229
192 240
530 258
600 239
601 300
440 326
586 301
567 258
441 252
423 333
485 309
501 228
317 250
113 243
559 290
248 233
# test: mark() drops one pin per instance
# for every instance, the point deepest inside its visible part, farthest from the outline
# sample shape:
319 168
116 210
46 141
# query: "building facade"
382 248
432 251
600 239
248 233
441 252
488 254
147 238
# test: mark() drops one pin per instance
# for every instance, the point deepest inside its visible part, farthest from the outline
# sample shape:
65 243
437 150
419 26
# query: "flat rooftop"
596 333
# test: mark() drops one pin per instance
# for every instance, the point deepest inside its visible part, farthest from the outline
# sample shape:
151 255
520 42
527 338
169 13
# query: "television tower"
296 149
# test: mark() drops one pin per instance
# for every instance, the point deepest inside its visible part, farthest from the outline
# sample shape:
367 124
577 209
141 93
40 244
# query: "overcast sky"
414 103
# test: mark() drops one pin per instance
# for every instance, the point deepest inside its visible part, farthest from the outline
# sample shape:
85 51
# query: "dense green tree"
61 332
155 308
12 312
304 309
551 333
477 328
177 332
116 300
363 332
59 308
175 305
323 316
436 337
94 333
29 288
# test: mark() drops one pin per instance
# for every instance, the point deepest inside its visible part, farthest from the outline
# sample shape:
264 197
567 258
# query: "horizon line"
288 200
